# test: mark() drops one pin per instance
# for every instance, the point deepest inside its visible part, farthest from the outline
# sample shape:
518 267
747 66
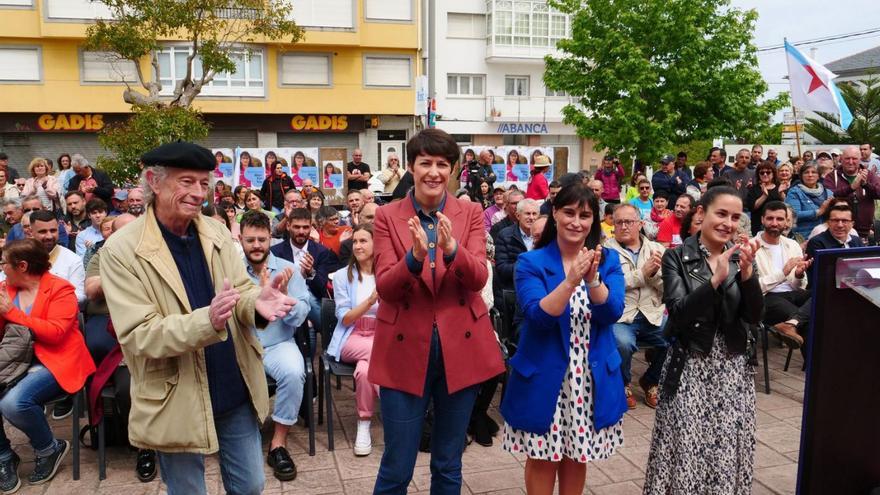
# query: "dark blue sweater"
225 383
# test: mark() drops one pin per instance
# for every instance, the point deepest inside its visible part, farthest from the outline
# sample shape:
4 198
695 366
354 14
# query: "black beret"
180 155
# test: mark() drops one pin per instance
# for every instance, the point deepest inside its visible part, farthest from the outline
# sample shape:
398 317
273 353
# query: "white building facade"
489 84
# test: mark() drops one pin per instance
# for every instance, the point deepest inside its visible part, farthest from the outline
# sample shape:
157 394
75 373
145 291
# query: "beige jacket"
645 295
771 276
162 339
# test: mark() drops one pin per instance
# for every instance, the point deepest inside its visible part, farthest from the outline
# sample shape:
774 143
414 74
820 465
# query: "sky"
800 20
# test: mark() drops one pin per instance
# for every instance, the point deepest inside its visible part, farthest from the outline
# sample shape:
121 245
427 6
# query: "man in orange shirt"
331 234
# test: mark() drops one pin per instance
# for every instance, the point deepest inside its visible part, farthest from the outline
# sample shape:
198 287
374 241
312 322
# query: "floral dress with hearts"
572 433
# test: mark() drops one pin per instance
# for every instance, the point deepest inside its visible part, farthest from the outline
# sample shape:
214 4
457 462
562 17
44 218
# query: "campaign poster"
515 165
332 178
249 169
539 151
303 167
223 168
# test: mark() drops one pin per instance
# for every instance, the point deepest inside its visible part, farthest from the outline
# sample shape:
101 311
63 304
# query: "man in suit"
515 240
512 198
840 222
314 261
430 265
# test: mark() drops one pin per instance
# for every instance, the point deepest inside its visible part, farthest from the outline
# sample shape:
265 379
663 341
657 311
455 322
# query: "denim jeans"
241 458
402 417
22 406
640 332
284 363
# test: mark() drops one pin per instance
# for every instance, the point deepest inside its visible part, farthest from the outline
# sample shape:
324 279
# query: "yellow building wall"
61 90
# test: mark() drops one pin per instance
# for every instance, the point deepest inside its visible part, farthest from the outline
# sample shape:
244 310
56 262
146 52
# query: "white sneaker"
363 444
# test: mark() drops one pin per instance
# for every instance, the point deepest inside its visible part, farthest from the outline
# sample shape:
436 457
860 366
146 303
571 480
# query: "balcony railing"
525 108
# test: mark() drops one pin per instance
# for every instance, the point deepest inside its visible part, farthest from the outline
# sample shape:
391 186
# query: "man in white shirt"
782 274
870 162
65 263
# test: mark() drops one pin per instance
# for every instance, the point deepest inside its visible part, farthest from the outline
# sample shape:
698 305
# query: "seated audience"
507 216
669 233
515 240
96 210
354 288
642 319
840 222
47 306
29 204
643 200
330 232
254 203
282 358
809 199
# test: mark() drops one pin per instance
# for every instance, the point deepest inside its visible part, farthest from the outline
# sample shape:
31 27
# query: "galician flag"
812 86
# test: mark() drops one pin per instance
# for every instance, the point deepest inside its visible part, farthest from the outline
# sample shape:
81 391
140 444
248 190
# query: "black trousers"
783 306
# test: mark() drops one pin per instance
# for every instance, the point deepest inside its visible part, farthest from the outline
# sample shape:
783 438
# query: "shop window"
102 67
388 10
395 72
471 26
324 13
20 64
246 80
306 69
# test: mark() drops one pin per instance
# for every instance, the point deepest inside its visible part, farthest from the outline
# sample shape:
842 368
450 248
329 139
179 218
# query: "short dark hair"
682 154
661 194
299 214
554 183
835 207
432 142
3 156
609 208
255 219
775 205
30 250
96 204
326 212
352 191
43 216
714 193
75 193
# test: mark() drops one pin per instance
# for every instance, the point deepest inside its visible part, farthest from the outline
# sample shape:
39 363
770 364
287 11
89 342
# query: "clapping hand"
419 239
273 301
222 305
802 267
652 266
594 257
790 265
445 240
306 264
746 258
579 268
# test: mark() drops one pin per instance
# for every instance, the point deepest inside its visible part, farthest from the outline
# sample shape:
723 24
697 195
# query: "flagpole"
797 137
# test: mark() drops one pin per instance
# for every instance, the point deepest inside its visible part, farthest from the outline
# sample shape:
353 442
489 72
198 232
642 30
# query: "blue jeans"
640 332
284 363
402 417
241 458
22 406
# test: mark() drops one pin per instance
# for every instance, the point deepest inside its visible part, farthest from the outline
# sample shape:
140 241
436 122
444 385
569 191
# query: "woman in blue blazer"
564 402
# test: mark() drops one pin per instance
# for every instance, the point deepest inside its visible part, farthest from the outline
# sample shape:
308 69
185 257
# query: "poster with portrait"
224 166
547 151
249 171
469 153
332 176
515 165
303 167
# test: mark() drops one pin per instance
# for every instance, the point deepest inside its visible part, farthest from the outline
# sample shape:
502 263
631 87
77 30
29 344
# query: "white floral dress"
572 433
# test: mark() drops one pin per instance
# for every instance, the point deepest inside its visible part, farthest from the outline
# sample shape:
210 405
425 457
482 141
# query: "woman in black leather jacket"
704 431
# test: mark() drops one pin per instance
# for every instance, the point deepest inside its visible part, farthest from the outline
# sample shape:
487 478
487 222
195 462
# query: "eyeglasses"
644 188
766 172
625 223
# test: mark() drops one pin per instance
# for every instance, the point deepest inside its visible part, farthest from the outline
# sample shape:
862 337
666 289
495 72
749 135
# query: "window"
16 3
324 13
246 80
101 67
387 71
464 85
516 85
388 10
554 93
20 64
465 26
526 23
76 9
301 69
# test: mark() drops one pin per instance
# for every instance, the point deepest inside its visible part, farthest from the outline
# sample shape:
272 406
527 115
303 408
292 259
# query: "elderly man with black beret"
182 306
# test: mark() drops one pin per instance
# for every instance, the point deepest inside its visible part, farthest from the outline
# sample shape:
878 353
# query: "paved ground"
486 470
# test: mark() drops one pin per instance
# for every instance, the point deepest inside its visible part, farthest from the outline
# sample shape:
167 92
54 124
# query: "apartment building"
350 83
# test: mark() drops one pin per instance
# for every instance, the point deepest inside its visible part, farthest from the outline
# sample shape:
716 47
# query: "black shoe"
481 432
46 467
493 425
63 409
9 481
146 465
282 465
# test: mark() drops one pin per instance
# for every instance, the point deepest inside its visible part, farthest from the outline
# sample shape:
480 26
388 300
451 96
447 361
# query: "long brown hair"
352 261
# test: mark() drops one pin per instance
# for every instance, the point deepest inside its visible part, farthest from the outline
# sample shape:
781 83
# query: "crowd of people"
193 295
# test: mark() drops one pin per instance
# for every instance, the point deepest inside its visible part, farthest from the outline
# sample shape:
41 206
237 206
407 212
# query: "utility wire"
821 40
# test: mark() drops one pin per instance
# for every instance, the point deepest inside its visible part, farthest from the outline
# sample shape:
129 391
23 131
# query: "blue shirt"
429 222
643 206
225 383
282 330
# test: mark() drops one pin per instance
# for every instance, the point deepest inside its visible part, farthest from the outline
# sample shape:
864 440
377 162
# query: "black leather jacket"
697 311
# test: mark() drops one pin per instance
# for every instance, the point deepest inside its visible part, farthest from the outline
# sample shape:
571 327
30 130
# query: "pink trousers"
357 350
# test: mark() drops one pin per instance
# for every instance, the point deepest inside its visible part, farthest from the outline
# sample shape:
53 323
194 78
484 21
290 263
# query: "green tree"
214 30
148 127
864 104
646 74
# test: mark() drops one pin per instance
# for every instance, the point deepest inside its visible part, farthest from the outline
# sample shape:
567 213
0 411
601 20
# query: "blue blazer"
541 359
325 263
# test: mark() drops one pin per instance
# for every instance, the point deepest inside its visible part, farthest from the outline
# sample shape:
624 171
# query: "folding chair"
329 366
